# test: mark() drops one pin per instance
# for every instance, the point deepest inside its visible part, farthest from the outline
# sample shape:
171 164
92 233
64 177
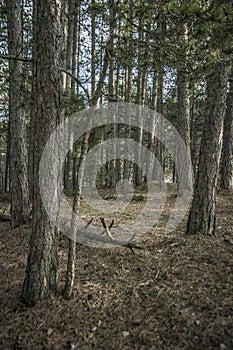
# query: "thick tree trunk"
18 148
41 272
202 214
227 147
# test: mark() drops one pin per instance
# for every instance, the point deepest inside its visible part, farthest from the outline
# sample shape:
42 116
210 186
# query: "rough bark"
202 214
159 147
41 271
227 148
18 148
128 91
93 50
141 78
183 104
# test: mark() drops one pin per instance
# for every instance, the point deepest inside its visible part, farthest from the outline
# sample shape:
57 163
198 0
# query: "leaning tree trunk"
41 271
18 148
227 148
202 215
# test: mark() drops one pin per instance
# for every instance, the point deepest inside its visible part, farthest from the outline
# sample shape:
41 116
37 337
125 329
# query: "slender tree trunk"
93 50
75 31
18 148
183 102
7 172
151 136
227 148
128 91
159 147
75 67
41 271
69 88
202 214
140 94
70 272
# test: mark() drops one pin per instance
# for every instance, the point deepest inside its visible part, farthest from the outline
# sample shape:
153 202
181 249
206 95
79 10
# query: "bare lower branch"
78 82
17 58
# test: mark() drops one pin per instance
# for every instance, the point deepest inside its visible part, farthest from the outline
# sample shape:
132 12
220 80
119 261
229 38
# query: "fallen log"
5 217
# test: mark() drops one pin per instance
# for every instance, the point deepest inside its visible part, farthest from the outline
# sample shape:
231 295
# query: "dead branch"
88 224
105 240
107 229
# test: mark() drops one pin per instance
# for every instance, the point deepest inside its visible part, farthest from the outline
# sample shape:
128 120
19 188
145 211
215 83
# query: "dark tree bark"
202 214
18 148
141 79
227 148
41 271
7 175
183 104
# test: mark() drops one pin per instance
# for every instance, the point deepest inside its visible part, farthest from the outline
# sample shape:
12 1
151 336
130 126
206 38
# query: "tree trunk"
18 148
227 148
75 67
93 49
159 147
137 170
7 172
151 136
202 214
183 102
70 272
41 271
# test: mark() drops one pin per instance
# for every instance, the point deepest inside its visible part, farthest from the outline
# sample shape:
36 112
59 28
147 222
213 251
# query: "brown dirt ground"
177 293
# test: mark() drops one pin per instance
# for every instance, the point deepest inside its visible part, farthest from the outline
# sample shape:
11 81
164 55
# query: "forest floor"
177 293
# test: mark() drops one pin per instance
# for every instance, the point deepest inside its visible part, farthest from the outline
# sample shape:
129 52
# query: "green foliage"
72 102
